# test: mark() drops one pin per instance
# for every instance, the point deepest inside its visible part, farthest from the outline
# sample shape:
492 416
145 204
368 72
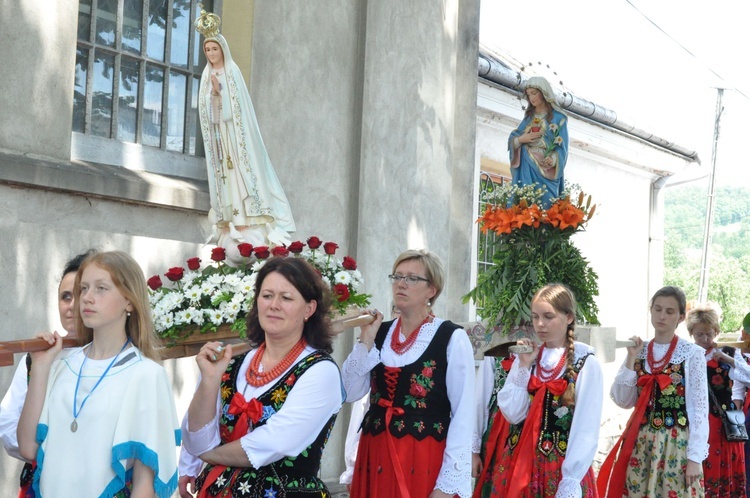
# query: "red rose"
427 371
314 242
175 274
296 247
245 249
547 445
262 252
218 254
634 462
717 380
330 248
341 291
154 282
349 263
280 251
417 391
194 263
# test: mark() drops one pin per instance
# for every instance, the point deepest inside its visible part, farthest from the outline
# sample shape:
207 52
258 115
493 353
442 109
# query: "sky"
656 63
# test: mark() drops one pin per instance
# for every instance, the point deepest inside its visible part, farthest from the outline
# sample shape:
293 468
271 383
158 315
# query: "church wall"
39 51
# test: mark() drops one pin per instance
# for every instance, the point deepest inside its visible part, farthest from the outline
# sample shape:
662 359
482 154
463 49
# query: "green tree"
729 269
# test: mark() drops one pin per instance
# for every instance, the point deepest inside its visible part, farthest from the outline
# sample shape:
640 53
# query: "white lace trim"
626 377
569 488
456 478
476 443
551 356
519 376
360 362
426 333
682 352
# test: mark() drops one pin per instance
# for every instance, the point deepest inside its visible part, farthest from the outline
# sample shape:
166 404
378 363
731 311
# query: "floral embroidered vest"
295 476
666 407
721 384
556 421
417 392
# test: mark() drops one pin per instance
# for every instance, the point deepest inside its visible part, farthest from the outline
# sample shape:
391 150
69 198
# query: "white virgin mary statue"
247 201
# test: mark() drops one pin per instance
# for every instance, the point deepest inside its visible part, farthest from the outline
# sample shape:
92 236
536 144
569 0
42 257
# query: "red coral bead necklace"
546 375
399 347
658 366
256 378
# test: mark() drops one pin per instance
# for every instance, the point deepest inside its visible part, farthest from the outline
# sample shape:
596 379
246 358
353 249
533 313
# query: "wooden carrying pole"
186 347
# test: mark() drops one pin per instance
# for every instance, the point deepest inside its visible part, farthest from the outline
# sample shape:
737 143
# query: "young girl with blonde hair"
106 403
551 443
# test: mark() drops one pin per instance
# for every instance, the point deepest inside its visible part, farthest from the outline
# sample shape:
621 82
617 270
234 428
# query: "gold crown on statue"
208 23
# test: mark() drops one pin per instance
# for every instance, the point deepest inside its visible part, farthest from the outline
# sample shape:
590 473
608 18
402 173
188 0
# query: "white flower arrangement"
204 299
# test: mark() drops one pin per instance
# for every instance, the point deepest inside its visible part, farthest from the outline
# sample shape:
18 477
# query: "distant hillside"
729 272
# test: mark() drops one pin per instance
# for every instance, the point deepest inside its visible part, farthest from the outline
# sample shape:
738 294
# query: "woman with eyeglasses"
419 372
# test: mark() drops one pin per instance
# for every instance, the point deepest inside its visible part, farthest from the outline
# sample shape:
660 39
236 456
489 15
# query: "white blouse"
314 399
624 391
739 389
483 388
10 410
583 439
455 472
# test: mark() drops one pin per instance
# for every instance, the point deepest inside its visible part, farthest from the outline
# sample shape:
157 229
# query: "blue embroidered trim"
41 435
149 458
122 451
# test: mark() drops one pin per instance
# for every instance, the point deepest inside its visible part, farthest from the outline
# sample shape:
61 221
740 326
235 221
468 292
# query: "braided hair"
561 298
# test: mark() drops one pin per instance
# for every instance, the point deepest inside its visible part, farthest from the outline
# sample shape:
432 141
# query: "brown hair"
128 277
298 272
671 291
561 298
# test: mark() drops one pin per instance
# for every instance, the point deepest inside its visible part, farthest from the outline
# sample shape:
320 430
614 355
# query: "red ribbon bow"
249 411
252 410
520 470
613 471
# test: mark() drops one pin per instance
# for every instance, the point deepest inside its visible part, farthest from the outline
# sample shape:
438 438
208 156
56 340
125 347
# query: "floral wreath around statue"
220 294
532 248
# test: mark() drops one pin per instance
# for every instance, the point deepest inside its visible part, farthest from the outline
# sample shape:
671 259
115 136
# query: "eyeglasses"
409 279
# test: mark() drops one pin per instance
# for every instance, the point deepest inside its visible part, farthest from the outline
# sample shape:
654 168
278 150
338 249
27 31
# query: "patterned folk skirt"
724 469
546 474
658 463
374 469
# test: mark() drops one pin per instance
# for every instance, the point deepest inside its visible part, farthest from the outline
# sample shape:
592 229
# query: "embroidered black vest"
417 391
666 407
295 476
556 421
721 384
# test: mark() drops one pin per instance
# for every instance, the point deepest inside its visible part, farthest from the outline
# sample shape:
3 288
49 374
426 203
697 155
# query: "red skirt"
546 474
724 469
375 469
